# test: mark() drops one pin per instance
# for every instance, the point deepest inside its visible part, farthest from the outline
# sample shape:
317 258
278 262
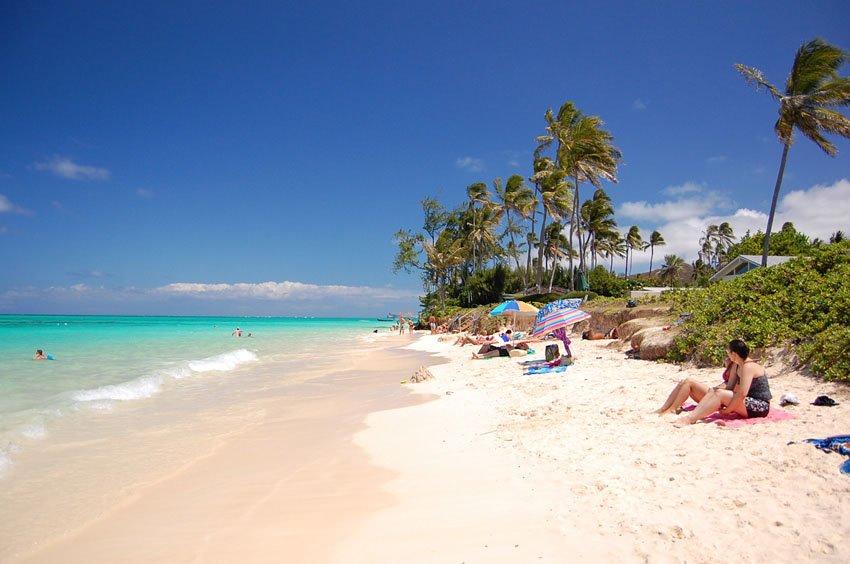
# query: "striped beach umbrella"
555 317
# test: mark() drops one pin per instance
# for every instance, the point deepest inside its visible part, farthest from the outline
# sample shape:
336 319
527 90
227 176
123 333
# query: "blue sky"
256 158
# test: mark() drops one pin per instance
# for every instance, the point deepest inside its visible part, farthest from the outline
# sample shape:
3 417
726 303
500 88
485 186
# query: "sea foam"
138 388
222 362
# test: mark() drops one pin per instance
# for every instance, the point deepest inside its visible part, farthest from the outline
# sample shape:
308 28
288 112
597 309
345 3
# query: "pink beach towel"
734 420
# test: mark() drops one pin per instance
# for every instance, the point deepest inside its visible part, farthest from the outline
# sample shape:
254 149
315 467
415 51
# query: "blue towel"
545 369
839 444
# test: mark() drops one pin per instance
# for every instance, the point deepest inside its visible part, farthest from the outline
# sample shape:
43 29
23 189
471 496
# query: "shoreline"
263 490
511 468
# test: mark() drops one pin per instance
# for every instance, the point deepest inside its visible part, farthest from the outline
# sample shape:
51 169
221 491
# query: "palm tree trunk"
552 276
578 227
539 279
773 205
651 254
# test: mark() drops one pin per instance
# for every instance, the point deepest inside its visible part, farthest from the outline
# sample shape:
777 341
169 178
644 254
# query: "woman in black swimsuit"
746 393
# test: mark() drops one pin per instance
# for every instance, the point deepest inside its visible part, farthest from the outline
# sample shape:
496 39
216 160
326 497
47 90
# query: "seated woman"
746 392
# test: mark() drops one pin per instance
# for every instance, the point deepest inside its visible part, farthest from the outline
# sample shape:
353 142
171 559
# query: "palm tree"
655 240
516 197
584 151
477 193
837 237
633 241
671 268
443 256
597 216
812 88
554 194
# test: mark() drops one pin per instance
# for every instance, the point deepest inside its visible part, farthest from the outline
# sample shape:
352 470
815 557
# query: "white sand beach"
502 467
485 464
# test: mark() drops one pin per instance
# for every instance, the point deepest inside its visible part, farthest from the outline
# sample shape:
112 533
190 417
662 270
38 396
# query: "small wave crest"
222 362
143 387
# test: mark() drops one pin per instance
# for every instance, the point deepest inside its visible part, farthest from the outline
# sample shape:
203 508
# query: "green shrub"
803 304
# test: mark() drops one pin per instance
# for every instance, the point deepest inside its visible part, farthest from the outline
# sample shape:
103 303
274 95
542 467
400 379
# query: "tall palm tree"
812 89
671 268
633 241
477 193
555 197
655 240
585 152
837 237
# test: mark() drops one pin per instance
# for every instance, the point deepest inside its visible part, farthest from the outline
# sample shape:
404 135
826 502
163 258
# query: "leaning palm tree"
655 240
812 89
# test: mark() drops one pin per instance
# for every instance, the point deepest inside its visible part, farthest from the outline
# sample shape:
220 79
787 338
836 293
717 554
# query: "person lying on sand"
504 350
464 339
746 392
591 335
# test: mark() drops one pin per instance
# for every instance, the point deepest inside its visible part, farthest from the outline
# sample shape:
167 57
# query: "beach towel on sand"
839 444
734 420
545 369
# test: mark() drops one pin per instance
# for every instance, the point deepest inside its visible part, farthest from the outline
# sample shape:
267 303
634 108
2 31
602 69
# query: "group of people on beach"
745 390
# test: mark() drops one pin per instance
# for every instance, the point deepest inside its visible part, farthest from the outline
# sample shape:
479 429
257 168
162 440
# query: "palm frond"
755 76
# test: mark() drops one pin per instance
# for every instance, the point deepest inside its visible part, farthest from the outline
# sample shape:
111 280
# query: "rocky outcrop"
633 326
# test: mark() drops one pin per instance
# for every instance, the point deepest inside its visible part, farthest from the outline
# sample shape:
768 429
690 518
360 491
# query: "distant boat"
389 317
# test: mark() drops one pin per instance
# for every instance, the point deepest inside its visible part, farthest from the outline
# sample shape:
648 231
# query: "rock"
422 374
629 328
657 342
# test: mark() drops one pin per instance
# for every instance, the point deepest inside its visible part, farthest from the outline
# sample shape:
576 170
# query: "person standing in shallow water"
237 332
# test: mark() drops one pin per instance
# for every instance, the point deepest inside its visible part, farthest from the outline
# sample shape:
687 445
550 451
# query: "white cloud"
818 212
716 159
277 291
7 206
144 193
638 105
470 164
66 168
686 188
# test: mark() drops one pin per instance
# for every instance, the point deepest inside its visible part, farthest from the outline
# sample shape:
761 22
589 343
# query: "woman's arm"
744 377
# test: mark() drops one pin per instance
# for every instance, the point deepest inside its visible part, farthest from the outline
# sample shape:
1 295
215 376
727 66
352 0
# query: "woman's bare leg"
683 390
708 405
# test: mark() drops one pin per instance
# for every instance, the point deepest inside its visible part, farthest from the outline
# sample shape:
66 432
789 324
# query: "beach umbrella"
514 306
556 316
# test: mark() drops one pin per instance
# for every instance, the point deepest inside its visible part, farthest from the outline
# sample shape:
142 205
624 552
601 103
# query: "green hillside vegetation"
803 305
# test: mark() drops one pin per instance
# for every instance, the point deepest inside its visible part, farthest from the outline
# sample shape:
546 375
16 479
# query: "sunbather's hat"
789 399
824 400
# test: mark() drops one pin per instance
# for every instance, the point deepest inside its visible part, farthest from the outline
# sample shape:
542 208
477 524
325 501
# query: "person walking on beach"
401 324
432 323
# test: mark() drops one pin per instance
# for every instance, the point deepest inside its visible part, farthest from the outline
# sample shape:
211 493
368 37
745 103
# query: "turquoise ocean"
105 364
127 400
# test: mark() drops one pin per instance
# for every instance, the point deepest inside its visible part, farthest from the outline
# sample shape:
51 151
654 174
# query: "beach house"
742 264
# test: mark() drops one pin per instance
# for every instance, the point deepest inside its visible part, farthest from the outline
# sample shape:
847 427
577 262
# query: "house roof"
754 260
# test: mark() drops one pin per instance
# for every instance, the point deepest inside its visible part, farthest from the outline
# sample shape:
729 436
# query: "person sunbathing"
490 351
746 392
591 335
464 339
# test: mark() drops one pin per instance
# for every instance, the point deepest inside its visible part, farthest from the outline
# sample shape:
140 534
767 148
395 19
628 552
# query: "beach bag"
552 352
